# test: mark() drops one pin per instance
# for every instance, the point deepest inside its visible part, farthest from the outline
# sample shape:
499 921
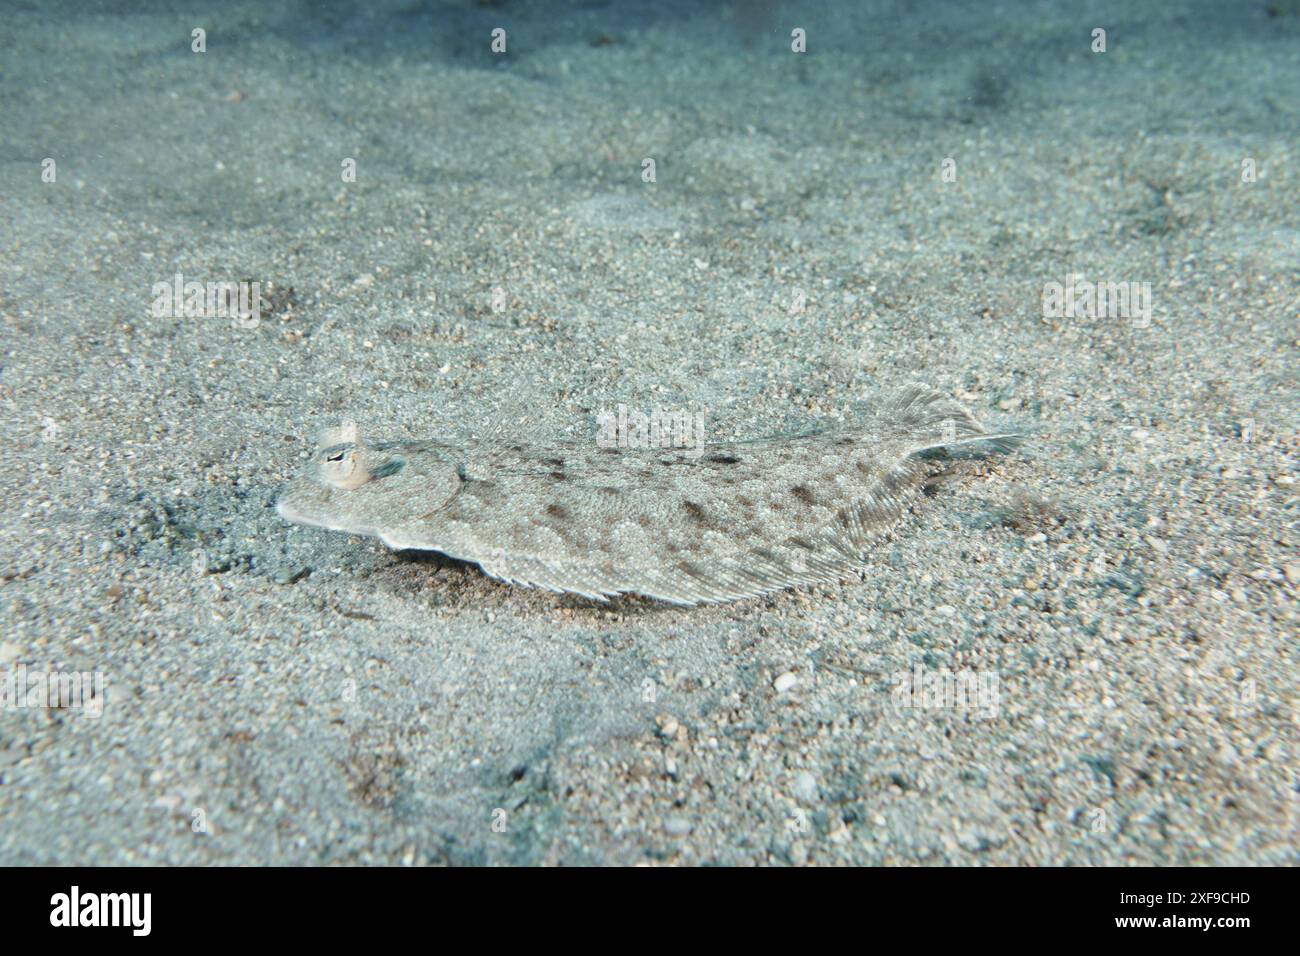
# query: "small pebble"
785 682
805 786
291 575
677 826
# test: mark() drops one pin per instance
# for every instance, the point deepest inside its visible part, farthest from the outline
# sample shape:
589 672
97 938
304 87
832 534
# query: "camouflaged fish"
689 526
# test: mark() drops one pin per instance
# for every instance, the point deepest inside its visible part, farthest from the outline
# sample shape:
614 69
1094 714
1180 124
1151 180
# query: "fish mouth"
285 509
294 514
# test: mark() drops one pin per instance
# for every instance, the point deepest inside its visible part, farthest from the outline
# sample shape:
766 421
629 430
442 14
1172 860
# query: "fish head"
364 489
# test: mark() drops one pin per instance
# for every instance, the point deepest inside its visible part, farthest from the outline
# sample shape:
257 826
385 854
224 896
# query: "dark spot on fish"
557 511
695 511
803 494
355 615
476 489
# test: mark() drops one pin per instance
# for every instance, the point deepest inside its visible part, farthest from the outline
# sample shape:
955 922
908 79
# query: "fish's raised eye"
343 468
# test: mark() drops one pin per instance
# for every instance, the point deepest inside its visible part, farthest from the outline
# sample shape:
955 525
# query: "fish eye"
343 468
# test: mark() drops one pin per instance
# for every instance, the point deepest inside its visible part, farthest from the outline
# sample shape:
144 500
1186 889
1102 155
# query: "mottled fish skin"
738 520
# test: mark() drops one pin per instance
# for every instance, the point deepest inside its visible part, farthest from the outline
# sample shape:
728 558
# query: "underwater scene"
595 432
